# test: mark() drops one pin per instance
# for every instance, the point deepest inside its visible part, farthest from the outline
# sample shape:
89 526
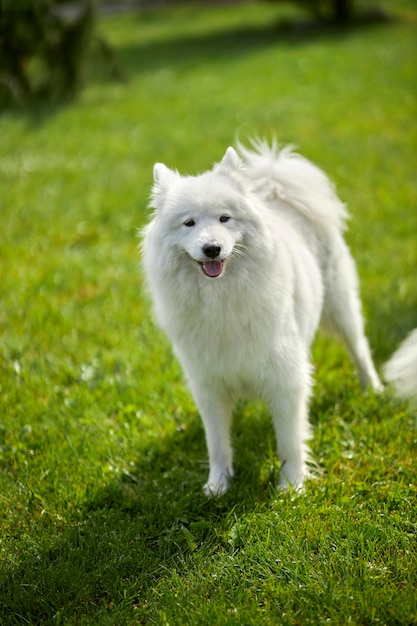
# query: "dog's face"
208 217
209 238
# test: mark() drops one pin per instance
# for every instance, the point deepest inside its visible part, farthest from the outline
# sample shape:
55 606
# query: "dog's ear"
231 165
162 174
163 178
233 168
231 161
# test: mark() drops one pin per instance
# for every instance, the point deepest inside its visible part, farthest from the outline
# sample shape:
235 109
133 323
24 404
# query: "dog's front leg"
216 412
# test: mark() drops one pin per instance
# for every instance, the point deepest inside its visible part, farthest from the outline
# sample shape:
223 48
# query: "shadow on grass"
104 563
127 537
193 49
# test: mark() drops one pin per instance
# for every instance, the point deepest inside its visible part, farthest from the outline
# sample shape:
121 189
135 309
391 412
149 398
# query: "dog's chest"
226 328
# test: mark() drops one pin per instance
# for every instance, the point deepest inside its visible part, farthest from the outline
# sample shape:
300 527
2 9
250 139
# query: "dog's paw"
377 386
294 481
298 487
214 488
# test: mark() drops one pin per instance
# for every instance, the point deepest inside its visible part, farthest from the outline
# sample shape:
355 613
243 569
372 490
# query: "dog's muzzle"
213 267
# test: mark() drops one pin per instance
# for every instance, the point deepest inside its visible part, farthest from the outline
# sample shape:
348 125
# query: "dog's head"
206 217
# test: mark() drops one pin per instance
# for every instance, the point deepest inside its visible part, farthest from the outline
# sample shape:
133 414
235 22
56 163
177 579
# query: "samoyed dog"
243 263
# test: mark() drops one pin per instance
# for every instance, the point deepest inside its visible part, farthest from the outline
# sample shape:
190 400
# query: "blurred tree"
336 11
42 46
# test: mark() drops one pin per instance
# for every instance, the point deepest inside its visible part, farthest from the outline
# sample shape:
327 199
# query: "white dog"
243 262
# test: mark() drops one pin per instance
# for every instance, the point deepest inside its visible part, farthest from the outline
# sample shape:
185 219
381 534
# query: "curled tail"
401 369
282 174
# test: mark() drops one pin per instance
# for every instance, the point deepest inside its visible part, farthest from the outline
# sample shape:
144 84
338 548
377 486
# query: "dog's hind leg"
287 394
342 314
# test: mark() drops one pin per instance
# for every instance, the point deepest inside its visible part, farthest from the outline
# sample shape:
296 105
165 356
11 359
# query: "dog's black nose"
211 250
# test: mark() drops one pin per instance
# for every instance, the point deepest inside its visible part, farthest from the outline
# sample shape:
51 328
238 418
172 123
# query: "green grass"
102 454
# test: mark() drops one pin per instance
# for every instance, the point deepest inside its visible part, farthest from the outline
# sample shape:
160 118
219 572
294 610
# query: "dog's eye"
189 223
224 218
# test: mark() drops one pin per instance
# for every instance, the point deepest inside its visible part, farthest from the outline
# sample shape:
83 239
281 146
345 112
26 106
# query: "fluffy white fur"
243 262
401 369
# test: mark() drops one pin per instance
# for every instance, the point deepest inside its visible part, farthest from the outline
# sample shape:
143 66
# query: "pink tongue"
213 268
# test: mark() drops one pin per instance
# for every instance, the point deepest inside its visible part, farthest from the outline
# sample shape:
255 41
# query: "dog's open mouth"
212 269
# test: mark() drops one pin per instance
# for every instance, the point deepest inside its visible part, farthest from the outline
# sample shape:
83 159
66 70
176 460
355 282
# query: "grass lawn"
102 454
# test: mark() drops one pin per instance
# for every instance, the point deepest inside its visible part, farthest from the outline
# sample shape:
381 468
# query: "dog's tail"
401 369
282 174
